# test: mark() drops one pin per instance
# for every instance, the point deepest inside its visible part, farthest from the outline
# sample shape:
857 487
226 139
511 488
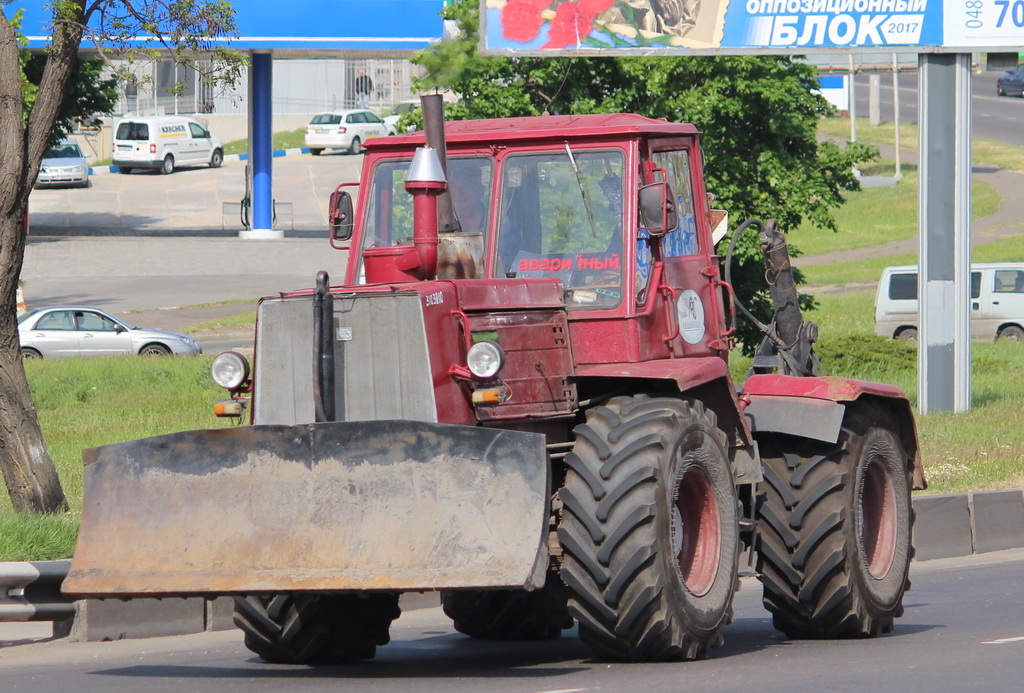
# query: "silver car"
60 331
64 165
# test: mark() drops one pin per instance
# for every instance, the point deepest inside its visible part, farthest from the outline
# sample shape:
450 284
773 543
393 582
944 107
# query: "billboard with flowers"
647 27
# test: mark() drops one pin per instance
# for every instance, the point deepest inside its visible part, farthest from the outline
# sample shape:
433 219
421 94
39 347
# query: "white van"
165 143
997 301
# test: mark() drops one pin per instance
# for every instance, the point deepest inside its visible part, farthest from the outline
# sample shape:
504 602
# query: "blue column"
261 146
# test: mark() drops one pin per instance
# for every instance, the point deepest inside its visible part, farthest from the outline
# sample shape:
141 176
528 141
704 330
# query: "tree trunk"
28 470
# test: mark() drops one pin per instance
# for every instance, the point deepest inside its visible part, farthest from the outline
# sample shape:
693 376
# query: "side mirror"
658 209
340 217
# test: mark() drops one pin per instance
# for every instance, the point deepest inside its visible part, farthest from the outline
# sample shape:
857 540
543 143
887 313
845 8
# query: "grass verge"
863 224
289 139
88 402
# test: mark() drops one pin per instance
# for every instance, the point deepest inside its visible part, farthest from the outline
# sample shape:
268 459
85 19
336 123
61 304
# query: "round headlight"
230 370
485 359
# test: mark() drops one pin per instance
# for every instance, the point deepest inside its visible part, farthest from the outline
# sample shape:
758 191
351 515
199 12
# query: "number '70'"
1016 13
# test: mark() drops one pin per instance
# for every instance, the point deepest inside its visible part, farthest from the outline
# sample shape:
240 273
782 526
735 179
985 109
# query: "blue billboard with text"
306 25
737 26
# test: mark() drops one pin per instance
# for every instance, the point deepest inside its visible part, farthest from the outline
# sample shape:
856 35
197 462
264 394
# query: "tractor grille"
380 351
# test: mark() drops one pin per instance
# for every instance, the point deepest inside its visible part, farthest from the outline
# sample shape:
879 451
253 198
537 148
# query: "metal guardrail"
30 591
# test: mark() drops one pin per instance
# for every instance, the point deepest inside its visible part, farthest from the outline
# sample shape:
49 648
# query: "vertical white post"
944 203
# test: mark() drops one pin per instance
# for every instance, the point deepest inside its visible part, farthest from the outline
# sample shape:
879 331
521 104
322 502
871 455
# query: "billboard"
646 27
388 25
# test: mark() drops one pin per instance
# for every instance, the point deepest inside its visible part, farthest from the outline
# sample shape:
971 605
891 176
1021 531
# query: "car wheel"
315 152
356 147
154 350
908 334
167 166
124 169
1011 333
30 353
217 159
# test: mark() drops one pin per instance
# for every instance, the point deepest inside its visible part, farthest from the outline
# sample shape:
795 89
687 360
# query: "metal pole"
853 104
896 113
944 204
261 162
874 100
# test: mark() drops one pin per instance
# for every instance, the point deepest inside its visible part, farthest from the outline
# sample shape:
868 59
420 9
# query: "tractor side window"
682 241
561 215
389 213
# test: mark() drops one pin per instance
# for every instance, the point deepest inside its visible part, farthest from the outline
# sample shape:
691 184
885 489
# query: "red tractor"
519 396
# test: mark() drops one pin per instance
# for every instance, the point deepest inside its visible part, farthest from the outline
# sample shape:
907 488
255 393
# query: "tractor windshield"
560 215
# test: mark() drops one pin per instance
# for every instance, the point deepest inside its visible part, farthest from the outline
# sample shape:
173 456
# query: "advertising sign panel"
738 26
310 24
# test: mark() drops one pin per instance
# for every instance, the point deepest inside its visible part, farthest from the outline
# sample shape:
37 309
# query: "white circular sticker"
691 317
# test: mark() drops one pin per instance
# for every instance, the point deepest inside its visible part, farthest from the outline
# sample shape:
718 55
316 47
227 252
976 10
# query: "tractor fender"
706 379
814 407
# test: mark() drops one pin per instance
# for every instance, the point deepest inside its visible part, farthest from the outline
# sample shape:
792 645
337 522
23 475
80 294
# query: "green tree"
757 115
91 92
29 118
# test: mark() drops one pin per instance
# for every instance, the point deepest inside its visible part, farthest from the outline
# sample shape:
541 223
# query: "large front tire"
316 629
835 530
650 530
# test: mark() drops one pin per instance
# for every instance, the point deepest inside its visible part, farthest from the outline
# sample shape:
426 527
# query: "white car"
344 130
59 331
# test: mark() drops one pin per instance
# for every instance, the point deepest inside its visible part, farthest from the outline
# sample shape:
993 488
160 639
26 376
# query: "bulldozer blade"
369 505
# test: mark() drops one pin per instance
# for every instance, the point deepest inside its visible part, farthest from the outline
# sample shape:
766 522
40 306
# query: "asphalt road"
994 117
963 630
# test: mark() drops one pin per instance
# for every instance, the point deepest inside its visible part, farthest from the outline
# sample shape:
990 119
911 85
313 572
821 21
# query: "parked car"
64 165
344 130
400 109
165 143
59 331
997 302
1011 84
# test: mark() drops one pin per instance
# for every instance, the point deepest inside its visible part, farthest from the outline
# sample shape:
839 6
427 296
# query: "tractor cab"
613 206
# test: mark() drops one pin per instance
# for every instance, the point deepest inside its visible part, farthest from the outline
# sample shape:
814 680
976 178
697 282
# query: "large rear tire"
650 530
316 629
834 530
510 614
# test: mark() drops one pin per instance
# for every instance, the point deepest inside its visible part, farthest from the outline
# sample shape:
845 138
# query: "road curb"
293 151
962 524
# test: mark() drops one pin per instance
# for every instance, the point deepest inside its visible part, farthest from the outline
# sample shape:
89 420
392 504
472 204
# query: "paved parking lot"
145 241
